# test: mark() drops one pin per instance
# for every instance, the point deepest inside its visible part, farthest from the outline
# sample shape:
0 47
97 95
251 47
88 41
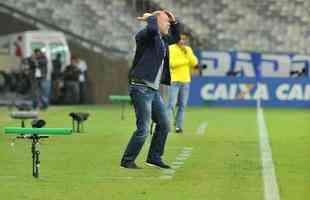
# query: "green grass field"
220 161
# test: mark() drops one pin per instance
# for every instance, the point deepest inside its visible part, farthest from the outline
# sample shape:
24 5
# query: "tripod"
35 152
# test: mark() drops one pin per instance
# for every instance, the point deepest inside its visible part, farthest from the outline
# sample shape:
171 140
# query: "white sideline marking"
166 173
175 166
201 128
188 149
169 171
181 158
136 178
119 177
177 163
271 191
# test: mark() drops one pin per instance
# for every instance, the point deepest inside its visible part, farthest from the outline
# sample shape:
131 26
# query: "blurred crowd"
50 82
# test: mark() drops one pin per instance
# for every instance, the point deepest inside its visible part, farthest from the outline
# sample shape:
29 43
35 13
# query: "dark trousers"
82 92
148 106
72 92
37 93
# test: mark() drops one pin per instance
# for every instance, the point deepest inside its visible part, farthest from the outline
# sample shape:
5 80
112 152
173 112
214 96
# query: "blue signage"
239 79
230 91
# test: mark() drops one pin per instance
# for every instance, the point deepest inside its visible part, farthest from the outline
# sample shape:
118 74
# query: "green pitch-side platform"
120 98
38 131
123 99
35 134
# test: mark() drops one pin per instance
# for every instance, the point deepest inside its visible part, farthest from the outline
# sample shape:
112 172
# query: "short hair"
185 36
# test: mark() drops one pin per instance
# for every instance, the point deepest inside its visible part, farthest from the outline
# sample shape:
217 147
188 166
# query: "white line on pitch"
201 128
98 178
271 191
136 178
178 163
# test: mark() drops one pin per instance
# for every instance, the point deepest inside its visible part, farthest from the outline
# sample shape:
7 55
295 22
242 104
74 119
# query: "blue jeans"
40 93
46 91
177 97
148 106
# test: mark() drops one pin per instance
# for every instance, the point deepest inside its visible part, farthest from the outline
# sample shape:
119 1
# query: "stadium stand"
96 20
273 26
219 24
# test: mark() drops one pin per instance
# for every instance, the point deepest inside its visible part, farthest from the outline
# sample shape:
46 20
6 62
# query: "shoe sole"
152 165
122 167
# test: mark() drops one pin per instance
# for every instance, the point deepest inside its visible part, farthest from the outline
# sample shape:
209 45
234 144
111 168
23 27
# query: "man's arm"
151 27
193 61
174 36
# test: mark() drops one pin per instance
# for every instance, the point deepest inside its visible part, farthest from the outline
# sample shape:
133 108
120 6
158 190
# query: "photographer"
38 71
71 83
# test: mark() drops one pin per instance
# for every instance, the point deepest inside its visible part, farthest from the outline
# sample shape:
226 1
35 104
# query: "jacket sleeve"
174 36
150 31
193 61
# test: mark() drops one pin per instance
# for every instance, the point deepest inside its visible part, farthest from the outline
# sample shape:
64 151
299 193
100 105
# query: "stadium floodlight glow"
79 118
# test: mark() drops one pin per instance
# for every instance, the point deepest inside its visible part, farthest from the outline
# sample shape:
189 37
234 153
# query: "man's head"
37 52
74 60
163 21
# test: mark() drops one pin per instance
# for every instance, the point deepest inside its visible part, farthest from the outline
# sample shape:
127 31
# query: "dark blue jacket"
150 52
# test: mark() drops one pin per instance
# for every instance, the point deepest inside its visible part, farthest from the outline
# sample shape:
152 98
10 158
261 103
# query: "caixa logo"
249 91
234 91
253 64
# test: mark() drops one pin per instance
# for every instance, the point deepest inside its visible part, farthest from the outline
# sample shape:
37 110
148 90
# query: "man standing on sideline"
181 60
150 68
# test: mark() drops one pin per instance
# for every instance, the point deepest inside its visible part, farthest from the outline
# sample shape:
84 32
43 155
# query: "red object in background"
18 49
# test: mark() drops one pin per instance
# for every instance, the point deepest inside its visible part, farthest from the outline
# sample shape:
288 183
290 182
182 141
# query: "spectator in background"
18 50
81 64
182 59
57 66
56 79
18 47
47 81
38 72
71 82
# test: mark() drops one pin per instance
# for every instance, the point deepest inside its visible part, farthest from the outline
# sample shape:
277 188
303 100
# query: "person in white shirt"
82 65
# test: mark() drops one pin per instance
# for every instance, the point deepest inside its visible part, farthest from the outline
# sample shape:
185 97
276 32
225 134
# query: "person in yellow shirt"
181 60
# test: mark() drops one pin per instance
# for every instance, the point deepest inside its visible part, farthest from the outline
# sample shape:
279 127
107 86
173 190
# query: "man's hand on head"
171 16
144 16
